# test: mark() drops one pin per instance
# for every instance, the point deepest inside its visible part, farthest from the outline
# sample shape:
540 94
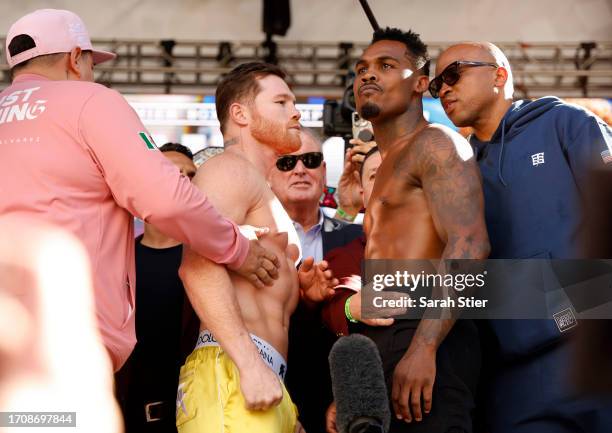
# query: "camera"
340 118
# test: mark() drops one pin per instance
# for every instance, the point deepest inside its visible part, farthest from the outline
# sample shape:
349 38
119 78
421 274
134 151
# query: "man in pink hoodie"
75 154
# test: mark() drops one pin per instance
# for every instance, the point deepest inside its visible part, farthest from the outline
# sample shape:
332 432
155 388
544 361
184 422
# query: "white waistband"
268 353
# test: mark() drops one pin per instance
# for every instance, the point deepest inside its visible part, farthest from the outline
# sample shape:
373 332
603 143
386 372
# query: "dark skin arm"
451 183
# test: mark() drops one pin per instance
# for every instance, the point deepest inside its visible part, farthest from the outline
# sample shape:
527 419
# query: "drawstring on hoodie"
501 155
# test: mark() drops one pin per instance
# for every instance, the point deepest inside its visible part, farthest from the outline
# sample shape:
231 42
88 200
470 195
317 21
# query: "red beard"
276 135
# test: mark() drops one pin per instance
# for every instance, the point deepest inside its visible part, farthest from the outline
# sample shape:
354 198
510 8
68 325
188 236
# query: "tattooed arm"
451 183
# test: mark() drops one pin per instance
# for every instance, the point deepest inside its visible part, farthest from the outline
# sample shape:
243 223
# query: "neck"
485 127
241 143
305 214
388 130
53 73
153 238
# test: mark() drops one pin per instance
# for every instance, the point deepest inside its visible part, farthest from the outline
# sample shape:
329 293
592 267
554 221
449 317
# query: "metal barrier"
572 69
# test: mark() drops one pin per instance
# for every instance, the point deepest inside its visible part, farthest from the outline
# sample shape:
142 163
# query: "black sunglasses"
451 74
309 159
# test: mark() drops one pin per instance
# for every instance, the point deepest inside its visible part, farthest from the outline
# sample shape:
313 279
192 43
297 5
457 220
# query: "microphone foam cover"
358 381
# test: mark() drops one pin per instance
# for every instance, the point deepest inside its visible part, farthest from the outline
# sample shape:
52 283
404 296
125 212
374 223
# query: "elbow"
187 270
183 273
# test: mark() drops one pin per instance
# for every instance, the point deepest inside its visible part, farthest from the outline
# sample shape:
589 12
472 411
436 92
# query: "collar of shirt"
29 77
312 241
314 230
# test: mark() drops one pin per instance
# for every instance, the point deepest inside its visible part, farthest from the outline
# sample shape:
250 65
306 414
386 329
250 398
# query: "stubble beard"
369 111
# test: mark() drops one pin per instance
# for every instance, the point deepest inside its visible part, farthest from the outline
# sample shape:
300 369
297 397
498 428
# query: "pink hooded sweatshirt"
75 154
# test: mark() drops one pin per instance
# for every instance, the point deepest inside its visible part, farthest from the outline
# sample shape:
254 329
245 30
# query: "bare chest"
282 237
396 194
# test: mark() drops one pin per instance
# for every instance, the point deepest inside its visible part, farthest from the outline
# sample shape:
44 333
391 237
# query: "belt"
159 410
272 358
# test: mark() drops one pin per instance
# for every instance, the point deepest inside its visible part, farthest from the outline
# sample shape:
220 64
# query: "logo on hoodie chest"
537 159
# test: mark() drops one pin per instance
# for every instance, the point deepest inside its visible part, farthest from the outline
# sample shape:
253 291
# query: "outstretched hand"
317 281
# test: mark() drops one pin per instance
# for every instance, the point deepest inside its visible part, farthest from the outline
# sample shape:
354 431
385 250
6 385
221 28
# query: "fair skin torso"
234 181
265 311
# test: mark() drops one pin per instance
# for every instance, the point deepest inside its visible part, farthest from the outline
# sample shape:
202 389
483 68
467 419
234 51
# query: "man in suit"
299 181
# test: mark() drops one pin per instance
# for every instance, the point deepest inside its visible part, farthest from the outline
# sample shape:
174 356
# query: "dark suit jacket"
307 378
345 262
338 233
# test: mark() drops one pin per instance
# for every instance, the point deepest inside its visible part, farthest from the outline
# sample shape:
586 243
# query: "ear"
422 83
239 115
501 76
74 59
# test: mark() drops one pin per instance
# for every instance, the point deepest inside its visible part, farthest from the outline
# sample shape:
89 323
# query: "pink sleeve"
149 186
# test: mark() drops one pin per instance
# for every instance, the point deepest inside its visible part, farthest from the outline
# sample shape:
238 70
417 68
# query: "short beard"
370 111
274 135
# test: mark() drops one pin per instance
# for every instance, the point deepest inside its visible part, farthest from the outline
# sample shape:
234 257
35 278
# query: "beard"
275 135
370 110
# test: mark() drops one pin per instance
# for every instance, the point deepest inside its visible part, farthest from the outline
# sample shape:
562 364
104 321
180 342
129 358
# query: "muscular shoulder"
439 138
438 147
231 182
231 172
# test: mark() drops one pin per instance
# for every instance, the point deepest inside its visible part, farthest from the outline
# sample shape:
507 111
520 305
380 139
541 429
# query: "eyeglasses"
309 159
451 74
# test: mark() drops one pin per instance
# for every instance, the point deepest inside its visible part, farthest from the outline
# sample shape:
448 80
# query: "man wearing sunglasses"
536 158
426 204
298 180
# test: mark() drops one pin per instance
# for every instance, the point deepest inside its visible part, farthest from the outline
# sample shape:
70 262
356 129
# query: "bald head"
480 52
474 82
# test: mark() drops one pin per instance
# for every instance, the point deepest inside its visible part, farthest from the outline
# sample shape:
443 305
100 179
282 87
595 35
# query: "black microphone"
358 384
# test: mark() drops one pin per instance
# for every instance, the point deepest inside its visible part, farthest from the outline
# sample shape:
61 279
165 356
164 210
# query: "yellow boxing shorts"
209 399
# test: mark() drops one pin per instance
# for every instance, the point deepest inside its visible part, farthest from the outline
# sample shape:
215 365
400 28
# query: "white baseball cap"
53 31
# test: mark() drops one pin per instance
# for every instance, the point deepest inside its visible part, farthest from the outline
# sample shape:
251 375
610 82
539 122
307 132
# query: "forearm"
220 240
432 331
213 298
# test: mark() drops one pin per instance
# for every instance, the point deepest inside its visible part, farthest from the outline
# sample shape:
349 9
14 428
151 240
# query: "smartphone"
362 129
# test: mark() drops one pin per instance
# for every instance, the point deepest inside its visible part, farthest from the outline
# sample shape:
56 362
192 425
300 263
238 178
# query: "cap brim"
102 56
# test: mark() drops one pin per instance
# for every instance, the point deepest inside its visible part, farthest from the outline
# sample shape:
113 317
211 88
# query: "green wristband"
347 310
342 214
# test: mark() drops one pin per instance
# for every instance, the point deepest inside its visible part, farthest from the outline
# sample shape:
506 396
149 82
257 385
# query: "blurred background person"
350 199
148 381
52 357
